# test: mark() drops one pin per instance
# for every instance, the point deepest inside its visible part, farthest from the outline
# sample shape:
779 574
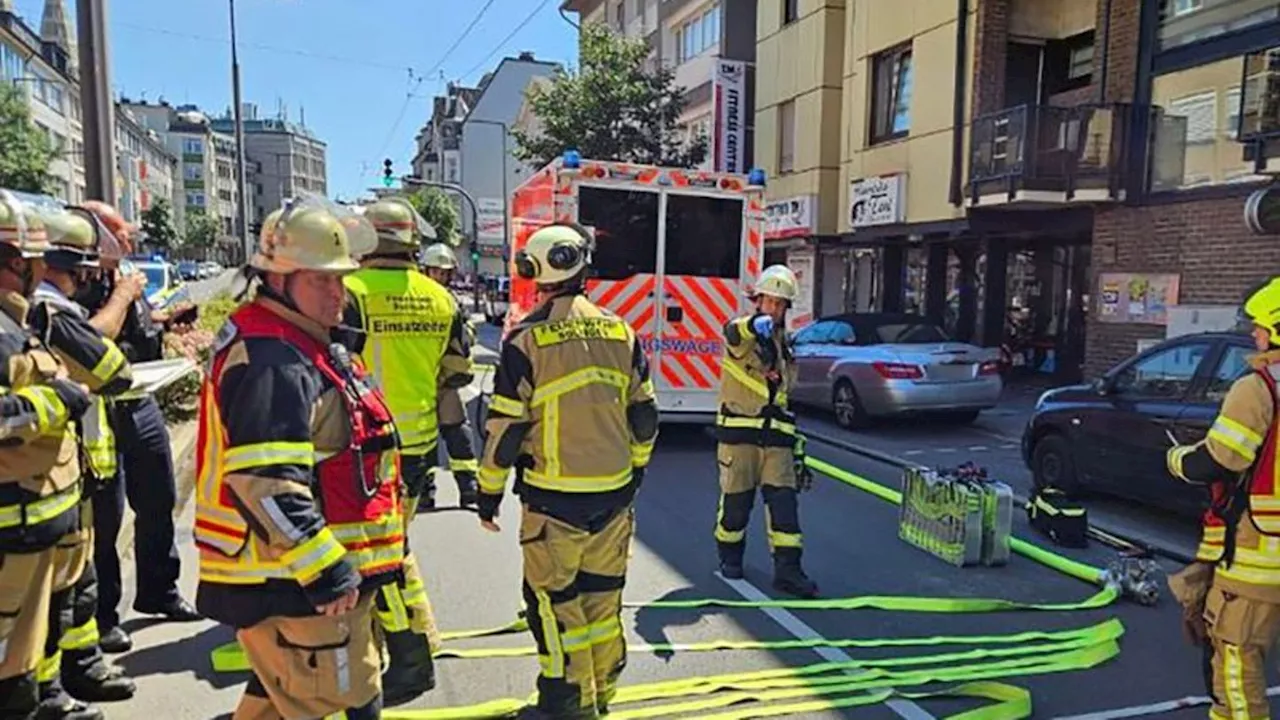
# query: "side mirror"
1104 385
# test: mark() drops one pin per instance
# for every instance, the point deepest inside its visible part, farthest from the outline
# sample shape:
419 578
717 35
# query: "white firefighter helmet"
777 281
554 254
439 256
313 233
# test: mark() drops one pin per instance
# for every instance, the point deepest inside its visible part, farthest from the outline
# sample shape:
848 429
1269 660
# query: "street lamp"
239 120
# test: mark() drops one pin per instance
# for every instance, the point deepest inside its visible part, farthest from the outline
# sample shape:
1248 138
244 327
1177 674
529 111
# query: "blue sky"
349 71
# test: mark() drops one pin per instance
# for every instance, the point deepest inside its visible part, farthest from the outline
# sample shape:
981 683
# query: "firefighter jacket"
414 343
1238 460
297 472
574 408
756 375
39 463
92 359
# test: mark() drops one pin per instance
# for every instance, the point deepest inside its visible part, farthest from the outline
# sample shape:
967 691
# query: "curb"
856 449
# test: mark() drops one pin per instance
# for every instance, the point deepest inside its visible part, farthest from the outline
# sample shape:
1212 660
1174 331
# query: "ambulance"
675 252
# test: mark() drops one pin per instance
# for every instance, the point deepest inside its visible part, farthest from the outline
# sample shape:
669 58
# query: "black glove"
637 476
72 395
804 476
487 506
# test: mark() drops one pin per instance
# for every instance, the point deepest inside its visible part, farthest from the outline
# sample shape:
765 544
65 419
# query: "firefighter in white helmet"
439 263
758 443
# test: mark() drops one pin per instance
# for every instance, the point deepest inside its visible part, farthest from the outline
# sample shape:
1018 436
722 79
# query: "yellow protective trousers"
404 605
744 469
1242 631
573 580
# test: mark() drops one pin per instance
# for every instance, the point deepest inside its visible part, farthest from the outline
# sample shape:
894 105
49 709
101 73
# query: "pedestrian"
298 509
142 441
455 426
758 446
40 495
73 668
414 346
574 412
1231 594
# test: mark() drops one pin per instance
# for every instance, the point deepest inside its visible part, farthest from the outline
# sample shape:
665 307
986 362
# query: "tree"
202 229
437 208
610 108
157 223
25 152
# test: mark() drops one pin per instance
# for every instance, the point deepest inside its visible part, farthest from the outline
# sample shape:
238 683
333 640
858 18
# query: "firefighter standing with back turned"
573 410
73 667
414 344
1231 595
40 488
298 510
758 443
455 426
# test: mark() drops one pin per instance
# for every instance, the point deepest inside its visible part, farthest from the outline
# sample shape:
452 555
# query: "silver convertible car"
866 365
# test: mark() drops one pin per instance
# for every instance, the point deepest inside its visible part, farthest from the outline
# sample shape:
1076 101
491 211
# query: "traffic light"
387 176
475 254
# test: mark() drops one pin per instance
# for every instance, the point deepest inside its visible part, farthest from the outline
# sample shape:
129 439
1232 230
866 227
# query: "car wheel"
1053 465
849 412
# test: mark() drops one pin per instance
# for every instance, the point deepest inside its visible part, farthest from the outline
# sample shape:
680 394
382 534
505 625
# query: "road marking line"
1010 446
996 435
946 450
905 709
976 448
914 452
1153 708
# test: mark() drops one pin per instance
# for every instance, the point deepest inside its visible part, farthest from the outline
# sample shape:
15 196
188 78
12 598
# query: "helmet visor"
109 247
362 239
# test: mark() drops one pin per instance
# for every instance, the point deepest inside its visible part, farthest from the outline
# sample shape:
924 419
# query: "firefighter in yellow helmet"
574 412
40 486
1231 594
73 667
439 263
759 447
299 518
415 346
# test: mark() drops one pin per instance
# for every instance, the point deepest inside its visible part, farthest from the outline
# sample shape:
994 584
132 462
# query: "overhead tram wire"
507 39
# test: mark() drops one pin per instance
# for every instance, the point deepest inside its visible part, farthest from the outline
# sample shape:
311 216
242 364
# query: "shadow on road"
181 655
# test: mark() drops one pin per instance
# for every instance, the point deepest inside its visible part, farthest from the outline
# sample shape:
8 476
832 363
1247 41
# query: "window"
787 136
815 333
195 199
1231 111
1182 22
626 231
717 225
1234 363
891 94
841 334
620 14
1182 7
790 11
1165 374
698 35
1080 64
192 172
1201 112
193 146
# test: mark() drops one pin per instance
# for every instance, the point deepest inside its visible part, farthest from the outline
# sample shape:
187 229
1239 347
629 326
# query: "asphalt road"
852 549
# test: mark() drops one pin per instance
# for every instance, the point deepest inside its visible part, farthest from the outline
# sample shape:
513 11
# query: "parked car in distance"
189 270
869 365
1110 436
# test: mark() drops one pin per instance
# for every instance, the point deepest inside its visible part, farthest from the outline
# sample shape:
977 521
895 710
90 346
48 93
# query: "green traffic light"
388 181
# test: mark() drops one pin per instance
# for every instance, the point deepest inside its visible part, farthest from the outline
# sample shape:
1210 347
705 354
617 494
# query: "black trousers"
146 481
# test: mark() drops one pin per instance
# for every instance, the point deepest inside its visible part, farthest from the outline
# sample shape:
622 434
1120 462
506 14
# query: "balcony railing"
1030 150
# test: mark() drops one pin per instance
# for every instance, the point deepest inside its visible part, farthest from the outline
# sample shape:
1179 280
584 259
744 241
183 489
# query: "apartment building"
145 168
710 45
284 158
187 134
439 143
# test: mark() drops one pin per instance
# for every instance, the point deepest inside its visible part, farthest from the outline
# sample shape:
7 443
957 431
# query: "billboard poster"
729 136
801 263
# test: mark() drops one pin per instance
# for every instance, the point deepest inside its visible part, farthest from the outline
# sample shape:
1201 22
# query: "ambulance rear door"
624 268
700 264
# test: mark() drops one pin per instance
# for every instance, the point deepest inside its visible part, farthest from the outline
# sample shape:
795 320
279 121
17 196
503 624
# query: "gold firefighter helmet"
400 228
21 226
777 281
313 233
554 254
1262 308
73 240
439 256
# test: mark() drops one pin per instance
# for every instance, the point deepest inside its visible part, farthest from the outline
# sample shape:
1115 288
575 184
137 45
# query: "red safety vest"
357 488
1256 563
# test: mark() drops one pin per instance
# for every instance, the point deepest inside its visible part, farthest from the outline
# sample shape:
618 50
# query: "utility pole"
474 245
95 100
249 244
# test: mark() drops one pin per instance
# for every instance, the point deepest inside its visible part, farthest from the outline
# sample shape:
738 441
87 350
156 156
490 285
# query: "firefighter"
455 426
1231 595
298 510
758 443
574 412
40 492
415 344
73 667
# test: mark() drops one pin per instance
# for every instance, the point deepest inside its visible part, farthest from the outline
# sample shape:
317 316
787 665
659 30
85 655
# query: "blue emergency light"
756 177
572 160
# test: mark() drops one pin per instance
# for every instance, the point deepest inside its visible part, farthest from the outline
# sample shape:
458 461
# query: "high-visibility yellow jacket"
415 343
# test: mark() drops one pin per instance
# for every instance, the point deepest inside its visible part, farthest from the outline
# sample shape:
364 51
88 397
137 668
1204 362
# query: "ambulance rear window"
704 236
626 229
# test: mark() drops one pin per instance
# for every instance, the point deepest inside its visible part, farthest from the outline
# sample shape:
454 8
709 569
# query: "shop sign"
877 201
1262 211
802 264
1137 297
729 92
790 218
492 217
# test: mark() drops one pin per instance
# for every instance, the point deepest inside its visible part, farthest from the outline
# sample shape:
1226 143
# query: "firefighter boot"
789 578
730 559
99 683
56 704
411 671
468 489
19 697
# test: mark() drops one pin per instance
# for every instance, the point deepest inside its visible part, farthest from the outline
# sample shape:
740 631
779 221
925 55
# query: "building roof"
50 56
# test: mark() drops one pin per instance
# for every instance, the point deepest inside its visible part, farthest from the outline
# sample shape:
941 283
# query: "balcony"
1038 156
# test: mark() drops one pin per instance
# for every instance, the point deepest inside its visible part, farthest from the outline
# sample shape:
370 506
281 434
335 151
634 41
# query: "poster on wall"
801 263
729 135
1137 297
